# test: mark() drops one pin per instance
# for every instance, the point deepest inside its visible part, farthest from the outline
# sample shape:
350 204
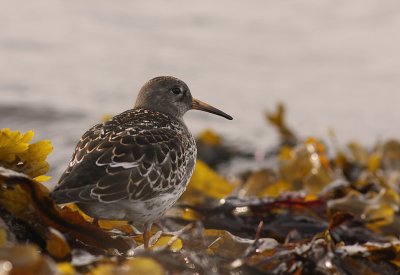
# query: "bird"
135 166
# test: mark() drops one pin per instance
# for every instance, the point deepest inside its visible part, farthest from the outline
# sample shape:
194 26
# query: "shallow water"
336 64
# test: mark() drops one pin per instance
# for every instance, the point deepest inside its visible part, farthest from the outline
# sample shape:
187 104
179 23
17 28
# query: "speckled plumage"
137 165
138 159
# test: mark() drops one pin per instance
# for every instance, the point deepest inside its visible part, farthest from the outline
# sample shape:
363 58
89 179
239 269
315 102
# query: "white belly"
136 212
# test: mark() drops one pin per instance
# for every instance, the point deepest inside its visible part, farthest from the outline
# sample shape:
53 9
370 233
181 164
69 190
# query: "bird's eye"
176 91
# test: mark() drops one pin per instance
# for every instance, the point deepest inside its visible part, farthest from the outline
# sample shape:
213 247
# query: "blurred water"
63 64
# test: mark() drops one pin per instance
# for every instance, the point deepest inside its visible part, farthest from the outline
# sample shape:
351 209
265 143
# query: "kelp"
17 154
310 210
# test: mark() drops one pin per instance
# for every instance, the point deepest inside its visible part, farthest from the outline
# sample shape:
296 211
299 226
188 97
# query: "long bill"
199 105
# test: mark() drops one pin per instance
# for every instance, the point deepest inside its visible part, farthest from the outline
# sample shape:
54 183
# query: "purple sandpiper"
135 166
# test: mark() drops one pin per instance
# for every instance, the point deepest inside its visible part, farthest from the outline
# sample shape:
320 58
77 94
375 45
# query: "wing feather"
109 166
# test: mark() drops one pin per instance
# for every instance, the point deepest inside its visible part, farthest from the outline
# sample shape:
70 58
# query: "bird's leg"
146 235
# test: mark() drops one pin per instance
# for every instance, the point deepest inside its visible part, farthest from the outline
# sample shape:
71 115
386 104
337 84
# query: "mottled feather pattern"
137 155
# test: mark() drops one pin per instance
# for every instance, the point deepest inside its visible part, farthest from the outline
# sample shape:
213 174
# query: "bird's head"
170 95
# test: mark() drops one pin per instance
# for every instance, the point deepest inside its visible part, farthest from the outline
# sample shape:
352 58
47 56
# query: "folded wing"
113 165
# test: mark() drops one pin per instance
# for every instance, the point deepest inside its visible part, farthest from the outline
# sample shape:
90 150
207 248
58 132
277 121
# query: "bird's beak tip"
202 106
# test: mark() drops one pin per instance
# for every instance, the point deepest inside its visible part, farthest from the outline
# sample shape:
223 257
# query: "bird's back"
137 156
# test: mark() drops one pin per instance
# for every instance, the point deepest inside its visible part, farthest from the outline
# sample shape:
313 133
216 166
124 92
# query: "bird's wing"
111 166
91 143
